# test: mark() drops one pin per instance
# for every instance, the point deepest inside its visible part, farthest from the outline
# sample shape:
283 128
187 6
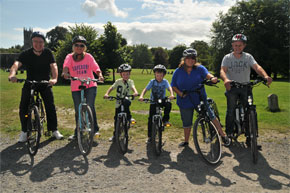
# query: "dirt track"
58 167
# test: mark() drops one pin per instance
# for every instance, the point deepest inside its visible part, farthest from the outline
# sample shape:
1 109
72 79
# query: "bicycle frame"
242 112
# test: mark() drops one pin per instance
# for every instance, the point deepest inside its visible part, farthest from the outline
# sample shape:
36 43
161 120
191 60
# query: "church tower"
27 42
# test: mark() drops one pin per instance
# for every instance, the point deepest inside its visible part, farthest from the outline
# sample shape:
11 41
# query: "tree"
203 52
65 46
265 23
176 55
113 47
160 56
141 55
54 35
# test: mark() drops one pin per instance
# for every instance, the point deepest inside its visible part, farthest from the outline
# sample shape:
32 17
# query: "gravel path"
59 167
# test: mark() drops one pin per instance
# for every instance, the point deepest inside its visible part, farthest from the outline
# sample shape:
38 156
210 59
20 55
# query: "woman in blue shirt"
188 76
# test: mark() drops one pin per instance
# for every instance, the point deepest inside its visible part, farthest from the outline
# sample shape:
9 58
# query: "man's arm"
223 75
13 71
54 74
259 70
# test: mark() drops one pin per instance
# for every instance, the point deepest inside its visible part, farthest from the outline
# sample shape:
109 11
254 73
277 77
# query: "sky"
165 23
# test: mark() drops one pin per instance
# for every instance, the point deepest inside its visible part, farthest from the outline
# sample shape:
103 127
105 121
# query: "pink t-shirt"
81 69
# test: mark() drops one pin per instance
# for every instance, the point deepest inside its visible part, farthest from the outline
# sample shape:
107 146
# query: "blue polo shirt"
184 81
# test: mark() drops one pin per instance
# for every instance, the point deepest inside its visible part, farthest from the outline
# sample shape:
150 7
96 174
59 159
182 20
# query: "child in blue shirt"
158 88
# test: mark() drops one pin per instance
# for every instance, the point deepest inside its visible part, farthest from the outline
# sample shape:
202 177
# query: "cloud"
186 10
91 7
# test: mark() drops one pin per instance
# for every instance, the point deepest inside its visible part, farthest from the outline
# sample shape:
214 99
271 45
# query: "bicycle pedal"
97 135
167 125
133 122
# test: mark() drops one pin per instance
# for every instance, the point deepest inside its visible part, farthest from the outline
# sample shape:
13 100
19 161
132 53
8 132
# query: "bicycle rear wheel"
122 135
33 131
253 135
85 130
207 141
157 137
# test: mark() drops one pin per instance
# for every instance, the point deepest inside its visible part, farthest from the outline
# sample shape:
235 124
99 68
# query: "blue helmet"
190 52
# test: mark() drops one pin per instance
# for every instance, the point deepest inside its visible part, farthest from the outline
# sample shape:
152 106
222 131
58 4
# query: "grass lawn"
10 98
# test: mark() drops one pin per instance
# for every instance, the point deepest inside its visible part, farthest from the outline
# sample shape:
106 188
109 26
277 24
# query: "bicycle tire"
156 137
33 130
253 135
85 130
122 135
207 141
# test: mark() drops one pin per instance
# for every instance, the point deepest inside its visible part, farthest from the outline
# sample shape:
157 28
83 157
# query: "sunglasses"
79 45
191 57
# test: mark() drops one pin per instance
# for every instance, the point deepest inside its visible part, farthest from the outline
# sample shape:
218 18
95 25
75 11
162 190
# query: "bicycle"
85 126
246 117
122 124
157 125
206 137
35 116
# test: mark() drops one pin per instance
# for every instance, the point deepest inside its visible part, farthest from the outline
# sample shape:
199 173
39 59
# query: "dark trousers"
232 96
152 111
126 104
48 99
90 95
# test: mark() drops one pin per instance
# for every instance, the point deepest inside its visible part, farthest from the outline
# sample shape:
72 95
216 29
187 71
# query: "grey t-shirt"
239 69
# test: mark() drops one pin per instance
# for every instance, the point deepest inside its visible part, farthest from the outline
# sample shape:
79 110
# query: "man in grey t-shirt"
237 66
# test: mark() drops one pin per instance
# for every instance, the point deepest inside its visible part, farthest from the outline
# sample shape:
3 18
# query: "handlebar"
201 85
32 81
111 98
251 83
87 81
167 99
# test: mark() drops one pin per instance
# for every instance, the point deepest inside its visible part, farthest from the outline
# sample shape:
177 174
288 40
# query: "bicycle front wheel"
207 141
253 135
85 130
122 135
33 130
157 137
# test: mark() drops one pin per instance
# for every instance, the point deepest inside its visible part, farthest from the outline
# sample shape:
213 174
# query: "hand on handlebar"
12 79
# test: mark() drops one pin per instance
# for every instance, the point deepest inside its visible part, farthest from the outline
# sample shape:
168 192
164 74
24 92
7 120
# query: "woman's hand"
214 79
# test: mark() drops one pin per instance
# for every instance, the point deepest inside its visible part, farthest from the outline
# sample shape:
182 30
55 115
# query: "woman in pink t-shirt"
82 65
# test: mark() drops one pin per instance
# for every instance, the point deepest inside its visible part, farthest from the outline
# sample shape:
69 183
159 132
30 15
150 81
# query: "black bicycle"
35 116
85 127
157 125
246 117
122 125
205 134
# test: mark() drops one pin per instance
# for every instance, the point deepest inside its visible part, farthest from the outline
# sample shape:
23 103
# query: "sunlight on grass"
10 98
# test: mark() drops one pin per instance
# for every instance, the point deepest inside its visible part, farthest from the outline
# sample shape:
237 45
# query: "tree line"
264 22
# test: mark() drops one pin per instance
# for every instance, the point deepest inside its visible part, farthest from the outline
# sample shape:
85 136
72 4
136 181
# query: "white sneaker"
22 137
57 135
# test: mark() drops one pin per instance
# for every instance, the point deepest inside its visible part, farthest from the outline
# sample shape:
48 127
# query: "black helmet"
79 39
124 68
37 34
159 68
190 52
239 37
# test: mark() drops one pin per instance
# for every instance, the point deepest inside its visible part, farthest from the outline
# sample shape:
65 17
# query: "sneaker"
112 139
149 140
133 121
183 144
72 137
167 124
97 135
22 137
226 141
57 135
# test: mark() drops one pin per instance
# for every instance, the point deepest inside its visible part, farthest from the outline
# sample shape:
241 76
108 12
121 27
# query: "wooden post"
273 103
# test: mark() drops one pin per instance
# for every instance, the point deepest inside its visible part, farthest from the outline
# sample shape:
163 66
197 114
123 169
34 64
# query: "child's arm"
171 93
142 94
108 92
135 91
